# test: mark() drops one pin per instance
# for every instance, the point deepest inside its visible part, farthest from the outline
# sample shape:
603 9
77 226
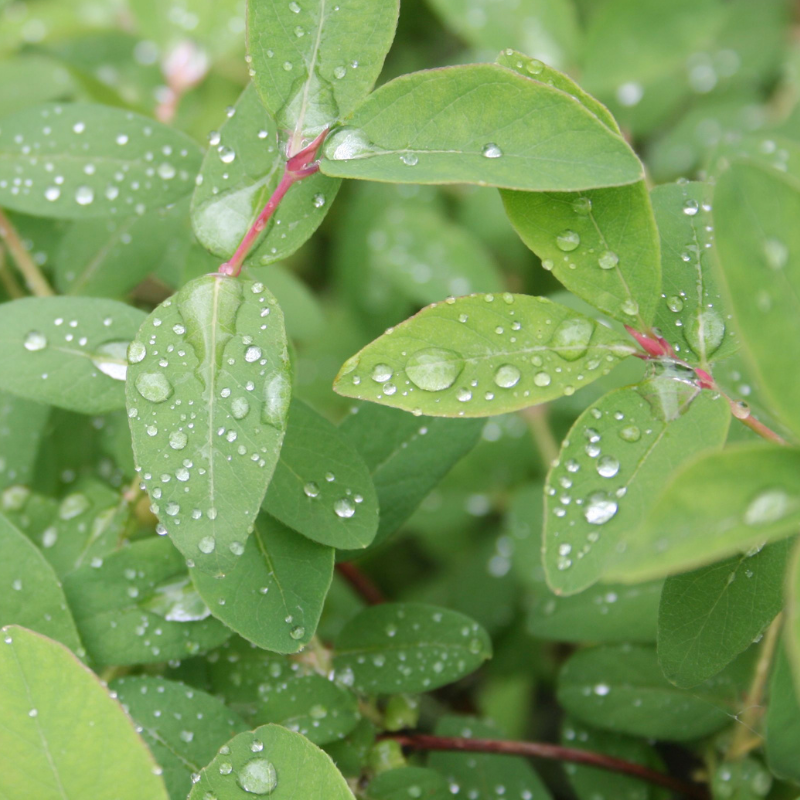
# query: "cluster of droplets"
344 506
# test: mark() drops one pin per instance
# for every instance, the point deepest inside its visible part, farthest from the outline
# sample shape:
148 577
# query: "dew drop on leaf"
608 260
258 776
381 373
153 386
567 241
433 369
768 506
600 508
571 338
507 376
491 150
582 206
344 508
35 341
630 433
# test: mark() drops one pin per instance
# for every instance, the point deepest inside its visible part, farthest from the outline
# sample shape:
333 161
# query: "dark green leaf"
321 486
271 760
22 424
611 469
68 352
480 123
719 505
183 727
138 607
407 783
82 160
273 596
744 779
782 735
32 595
482 355
208 393
709 616
62 735
408 647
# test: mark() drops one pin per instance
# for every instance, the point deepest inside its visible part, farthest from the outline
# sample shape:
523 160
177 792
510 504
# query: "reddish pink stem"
299 166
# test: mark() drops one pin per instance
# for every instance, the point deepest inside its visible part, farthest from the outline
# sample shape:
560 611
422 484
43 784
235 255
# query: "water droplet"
464 395
178 440
344 508
491 150
542 379
608 260
675 304
73 505
311 489
434 369
258 775
226 154
507 376
136 352
319 200
207 544
35 341
600 509
571 338
630 433
381 373
568 241
582 206
297 632
52 193
239 408
339 72
704 332
630 307
776 252
84 195
768 506
252 354
607 466
410 159
153 386
111 359
691 207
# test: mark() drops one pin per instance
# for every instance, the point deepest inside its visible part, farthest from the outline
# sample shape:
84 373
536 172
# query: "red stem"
298 167
554 752
361 583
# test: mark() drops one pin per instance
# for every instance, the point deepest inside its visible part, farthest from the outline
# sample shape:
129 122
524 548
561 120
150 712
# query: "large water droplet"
277 394
153 386
571 338
178 440
675 304
381 373
136 352
491 150
434 368
207 544
258 776
73 505
582 206
344 508
776 252
84 195
178 602
239 408
35 341
600 509
768 506
252 354
704 332
507 376
607 466
542 379
311 489
568 241
111 359
630 433
608 260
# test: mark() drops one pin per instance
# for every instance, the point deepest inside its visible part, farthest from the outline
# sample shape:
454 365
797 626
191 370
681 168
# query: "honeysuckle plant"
481 479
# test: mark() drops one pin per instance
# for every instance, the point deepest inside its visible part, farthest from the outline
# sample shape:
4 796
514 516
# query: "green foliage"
313 428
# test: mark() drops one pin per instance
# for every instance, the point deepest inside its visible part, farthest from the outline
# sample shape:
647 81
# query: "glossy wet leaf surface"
322 486
313 62
479 774
691 314
68 352
138 606
62 735
208 393
408 647
406 456
81 160
273 596
271 760
611 470
183 726
601 244
709 616
32 595
482 355
759 251
480 123
621 688
718 505
241 169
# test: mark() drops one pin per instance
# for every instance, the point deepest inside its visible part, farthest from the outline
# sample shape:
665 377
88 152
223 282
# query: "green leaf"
743 779
30 79
312 705
208 393
183 727
782 733
314 62
32 595
82 160
691 314
62 735
240 171
415 782
138 607
68 352
621 688
589 783
482 355
271 760
544 73
408 647
478 775
793 615
602 245
109 257
407 456
321 486
427 258
273 596
21 428
475 124
611 469
709 616
759 250
719 505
